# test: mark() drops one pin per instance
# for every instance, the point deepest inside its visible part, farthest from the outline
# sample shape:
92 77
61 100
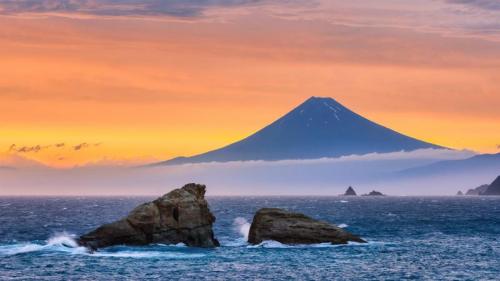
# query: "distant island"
350 192
374 193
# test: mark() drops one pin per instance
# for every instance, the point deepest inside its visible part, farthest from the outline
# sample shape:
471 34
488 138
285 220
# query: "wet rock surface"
295 228
180 216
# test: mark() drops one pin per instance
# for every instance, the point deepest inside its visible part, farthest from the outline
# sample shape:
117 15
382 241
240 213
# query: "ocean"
409 238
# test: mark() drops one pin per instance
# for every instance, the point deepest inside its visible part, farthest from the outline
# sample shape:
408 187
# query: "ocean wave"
242 227
277 245
61 242
66 243
146 254
239 242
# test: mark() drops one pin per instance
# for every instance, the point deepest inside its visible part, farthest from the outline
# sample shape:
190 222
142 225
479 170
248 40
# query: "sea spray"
60 242
62 239
242 226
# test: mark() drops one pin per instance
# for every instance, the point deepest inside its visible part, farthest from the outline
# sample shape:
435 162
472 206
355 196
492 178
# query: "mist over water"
408 238
327 176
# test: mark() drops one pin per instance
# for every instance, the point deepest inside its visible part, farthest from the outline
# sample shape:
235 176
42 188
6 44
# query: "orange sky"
146 88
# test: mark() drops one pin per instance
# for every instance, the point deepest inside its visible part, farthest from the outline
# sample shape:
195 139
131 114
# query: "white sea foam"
343 225
182 245
242 226
62 242
146 254
277 245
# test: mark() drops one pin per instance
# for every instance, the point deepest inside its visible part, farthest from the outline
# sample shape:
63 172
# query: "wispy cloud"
85 145
59 145
483 4
175 8
13 148
428 153
292 177
27 149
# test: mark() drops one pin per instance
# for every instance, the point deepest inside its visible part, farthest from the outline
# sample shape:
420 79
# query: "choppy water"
434 238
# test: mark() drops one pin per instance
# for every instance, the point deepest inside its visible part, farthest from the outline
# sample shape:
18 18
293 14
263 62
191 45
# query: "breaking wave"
242 226
66 243
277 245
61 242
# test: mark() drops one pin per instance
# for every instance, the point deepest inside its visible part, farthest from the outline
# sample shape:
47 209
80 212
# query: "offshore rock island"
183 216
180 216
295 228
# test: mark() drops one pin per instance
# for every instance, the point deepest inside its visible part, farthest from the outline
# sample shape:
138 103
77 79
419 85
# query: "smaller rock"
350 192
295 228
374 193
460 193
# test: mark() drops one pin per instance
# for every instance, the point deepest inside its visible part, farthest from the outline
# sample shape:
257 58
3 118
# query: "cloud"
292 177
482 4
174 8
26 149
81 146
13 148
37 148
85 145
428 153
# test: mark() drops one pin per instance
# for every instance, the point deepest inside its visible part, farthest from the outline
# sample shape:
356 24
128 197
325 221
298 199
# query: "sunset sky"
127 82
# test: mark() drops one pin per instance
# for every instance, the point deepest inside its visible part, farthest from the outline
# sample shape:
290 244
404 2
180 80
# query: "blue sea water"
410 238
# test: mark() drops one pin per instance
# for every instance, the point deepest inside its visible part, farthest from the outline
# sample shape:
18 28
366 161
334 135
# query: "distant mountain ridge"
481 162
319 127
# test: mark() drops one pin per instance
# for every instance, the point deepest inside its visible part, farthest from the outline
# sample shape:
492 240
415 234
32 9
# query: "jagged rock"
180 216
478 190
350 192
295 228
374 193
493 188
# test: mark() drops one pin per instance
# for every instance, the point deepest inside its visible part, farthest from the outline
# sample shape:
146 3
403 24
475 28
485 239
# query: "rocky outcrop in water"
374 193
295 228
350 192
460 193
493 188
180 216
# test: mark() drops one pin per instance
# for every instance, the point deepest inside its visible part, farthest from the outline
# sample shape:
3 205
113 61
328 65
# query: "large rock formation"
180 216
493 188
350 192
294 228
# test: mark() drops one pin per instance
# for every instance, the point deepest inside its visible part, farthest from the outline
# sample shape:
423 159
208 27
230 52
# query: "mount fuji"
319 127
